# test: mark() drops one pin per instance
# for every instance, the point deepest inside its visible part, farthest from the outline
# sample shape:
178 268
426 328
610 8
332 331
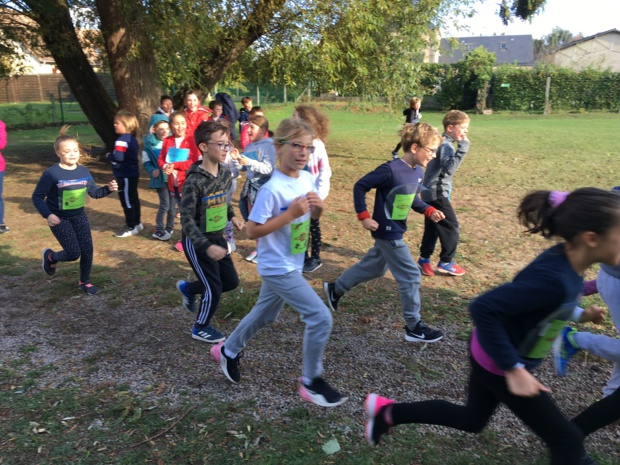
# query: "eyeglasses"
429 150
299 147
224 146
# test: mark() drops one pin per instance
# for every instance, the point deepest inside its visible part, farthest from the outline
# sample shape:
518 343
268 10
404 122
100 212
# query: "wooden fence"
41 87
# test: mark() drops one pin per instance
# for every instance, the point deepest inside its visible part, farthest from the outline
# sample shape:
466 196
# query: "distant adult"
165 109
195 113
3 227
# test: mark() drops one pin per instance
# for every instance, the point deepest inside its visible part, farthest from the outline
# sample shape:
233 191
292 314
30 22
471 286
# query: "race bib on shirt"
300 235
73 199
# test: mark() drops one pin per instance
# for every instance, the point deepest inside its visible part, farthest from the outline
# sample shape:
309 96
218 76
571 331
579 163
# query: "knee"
72 255
231 284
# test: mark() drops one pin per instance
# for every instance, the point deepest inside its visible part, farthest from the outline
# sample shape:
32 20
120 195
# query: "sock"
229 354
307 381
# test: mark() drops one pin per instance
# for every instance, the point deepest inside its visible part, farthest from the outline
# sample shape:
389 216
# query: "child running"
397 184
281 218
319 168
412 116
60 196
126 169
152 144
178 153
204 213
516 323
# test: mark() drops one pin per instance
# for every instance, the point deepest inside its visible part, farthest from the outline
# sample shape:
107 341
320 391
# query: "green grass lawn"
510 154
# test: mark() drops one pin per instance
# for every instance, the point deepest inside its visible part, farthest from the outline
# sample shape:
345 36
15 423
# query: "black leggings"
486 392
73 234
128 195
315 235
599 414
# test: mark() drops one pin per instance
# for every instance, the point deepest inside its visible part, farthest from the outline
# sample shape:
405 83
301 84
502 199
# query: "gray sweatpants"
396 256
293 289
605 346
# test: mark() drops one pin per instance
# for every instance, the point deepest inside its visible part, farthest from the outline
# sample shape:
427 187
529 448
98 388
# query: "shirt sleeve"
40 194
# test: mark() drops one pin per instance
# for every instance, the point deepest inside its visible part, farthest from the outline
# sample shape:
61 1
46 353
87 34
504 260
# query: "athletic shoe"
375 425
179 246
312 264
252 257
162 235
4 228
125 232
320 393
425 267
330 294
394 155
207 334
422 333
450 268
46 264
136 229
229 366
564 349
89 288
189 300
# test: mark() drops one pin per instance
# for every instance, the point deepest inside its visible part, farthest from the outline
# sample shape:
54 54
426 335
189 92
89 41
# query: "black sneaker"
229 366
331 296
422 333
312 264
89 288
47 264
320 393
4 228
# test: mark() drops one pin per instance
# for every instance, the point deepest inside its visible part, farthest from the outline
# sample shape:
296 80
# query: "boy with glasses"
438 183
204 213
396 185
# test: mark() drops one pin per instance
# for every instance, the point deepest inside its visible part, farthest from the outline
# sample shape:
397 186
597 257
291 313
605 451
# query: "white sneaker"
140 227
252 257
136 230
125 232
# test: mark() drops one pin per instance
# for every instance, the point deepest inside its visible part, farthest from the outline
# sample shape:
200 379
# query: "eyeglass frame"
223 146
296 146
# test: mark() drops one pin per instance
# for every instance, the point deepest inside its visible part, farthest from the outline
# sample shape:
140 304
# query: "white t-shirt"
275 256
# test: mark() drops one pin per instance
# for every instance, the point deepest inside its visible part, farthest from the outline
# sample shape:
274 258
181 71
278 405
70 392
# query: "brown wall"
40 88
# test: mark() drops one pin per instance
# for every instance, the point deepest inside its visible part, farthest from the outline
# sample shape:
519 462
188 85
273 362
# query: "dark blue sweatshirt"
518 321
63 192
124 158
389 179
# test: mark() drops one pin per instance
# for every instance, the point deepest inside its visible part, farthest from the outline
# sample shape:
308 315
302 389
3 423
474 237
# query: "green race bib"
73 199
300 234
217 217
402 204
546 340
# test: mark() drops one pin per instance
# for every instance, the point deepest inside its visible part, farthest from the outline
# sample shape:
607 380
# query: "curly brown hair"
318 122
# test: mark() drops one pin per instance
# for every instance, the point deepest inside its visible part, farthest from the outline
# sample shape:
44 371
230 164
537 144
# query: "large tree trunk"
60 38
232 44
130 55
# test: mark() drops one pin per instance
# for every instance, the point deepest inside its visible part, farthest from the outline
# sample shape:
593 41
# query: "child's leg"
407 275
447 230
298 293
429 238
81 226
265 311
123 196
164 206
315 234
170 217
599 414
1 198
214 277
609 288
371 266
66 235
133 201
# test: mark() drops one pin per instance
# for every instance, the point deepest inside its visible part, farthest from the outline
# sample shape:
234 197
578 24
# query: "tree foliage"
522 9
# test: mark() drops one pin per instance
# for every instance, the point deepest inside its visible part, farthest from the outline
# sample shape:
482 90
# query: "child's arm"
522 383
298 207
429 212
103 191
325 171
451 159
41 191
2 135
151 168
267 163
316 205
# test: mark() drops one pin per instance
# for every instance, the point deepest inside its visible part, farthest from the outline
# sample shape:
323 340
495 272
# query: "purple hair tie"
557 197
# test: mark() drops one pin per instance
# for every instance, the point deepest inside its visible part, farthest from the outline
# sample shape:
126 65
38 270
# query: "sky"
577 16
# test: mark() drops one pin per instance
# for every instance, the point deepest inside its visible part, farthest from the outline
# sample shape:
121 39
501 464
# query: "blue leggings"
73 234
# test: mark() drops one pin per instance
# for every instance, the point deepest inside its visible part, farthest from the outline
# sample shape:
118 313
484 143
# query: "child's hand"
155 173
243 161
463 137
315 200
234 154
370 224
437 216
522 383
113 186
53 220
298 207
594 314
215 252
237 223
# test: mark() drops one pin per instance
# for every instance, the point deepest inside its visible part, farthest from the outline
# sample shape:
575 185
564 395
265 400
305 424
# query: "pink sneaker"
372 407
179 246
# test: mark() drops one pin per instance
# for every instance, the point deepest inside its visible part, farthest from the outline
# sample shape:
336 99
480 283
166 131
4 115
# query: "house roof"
507 49
585 39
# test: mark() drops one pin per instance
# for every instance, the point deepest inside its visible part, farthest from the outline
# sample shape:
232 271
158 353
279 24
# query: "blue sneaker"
451 269
189 300
564 349
207 334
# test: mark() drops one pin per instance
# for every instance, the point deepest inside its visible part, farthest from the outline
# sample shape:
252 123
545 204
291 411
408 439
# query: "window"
503 46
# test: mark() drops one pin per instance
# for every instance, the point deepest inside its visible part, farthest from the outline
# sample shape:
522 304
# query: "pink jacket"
2 145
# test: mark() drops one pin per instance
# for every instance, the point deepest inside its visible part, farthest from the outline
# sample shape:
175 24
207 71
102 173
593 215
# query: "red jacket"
182 166
194 119
2 145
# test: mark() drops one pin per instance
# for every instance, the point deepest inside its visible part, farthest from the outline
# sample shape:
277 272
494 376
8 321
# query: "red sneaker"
450 268
425 267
